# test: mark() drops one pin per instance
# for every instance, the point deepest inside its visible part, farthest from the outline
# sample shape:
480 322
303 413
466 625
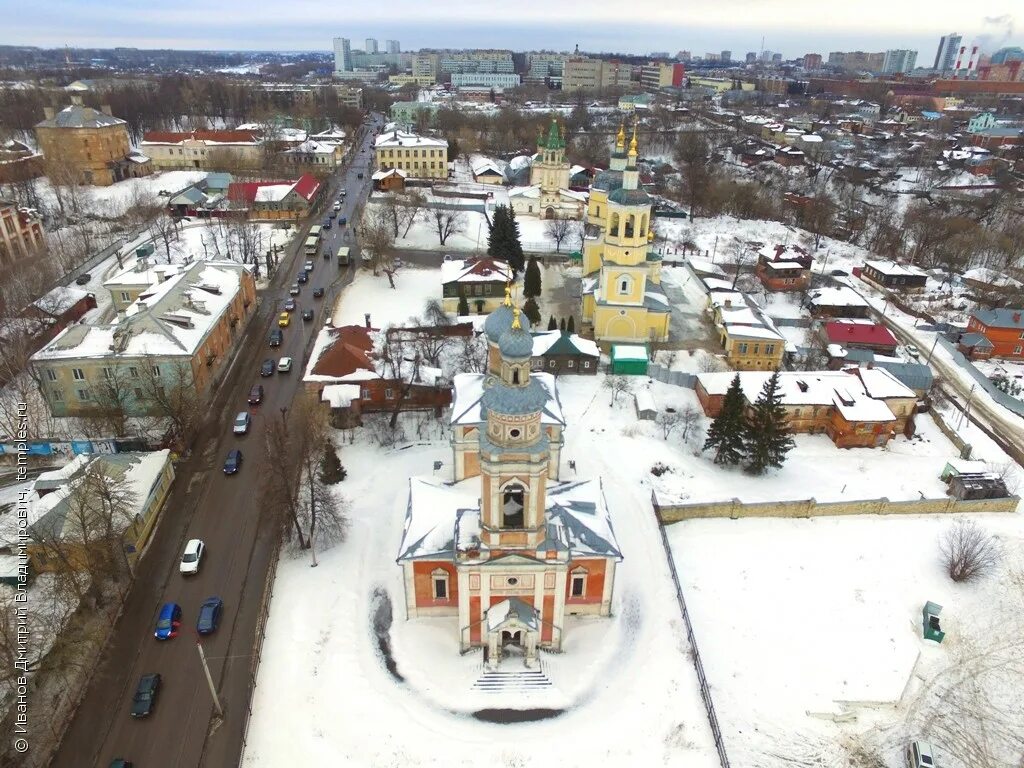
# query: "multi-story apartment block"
393 46
92 143
417 156
178 333
899 61
812 61
426 65
616 74
342 55
581 73
205 150
545 67
945 56
486 79
661 75
371 45
21 233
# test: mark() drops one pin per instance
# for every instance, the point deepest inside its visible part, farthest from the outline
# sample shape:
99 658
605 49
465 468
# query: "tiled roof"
216 137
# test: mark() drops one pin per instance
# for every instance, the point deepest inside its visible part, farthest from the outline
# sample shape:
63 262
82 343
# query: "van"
921 754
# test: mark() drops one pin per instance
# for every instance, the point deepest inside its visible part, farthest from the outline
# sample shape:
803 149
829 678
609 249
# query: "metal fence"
698 664
660 373
1007 401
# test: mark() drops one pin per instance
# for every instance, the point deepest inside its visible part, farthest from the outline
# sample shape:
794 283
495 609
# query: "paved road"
224 512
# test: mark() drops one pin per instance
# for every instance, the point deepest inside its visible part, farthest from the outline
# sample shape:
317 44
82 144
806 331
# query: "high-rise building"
426 65
1006 55
751 57
581 73
899 61
393 46
766 56
776 58
857 60
946 54
661 75
371 45
683 56
812 61
342 55
726 56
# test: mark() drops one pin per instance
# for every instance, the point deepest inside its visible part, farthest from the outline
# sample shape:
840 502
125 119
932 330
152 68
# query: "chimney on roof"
105 109
76 99
1016 317
48 113
366 318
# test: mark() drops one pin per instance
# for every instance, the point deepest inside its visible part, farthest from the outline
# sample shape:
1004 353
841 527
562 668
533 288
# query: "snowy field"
114 201
810 631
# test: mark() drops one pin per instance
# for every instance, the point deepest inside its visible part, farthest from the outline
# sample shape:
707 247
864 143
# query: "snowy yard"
115 200
801 622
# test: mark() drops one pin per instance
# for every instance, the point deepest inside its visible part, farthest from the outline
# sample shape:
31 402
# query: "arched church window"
613 227
515 375
629 225
625 284
513 504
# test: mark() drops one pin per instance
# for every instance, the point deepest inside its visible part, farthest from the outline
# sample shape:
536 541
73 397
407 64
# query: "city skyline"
704 25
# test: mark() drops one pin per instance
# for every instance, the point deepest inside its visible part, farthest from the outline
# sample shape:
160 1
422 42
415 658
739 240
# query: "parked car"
267 369
284 365
294 289
145 695
233 462
242 423
318 293
192 557
168 621
302 277
283 320
307 315
256 394
342 194
83 278
921 754
276 337
913 351
209 616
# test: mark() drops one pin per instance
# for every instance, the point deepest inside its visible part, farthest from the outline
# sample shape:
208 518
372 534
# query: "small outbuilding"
629 359
645 407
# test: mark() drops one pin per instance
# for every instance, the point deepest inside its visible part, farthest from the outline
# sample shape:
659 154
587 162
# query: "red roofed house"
481 281
871 336
207 150
275 200
344 373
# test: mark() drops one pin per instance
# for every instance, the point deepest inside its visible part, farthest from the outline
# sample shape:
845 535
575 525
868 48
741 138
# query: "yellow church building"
622 295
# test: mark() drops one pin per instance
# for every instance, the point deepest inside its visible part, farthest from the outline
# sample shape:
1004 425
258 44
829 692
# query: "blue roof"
1001 318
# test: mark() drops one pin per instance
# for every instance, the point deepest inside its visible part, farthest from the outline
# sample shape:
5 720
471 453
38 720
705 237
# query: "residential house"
178 333
975 346
837 302
777 273
485 170
202 199
92 143
859 334
18 162
856 408
789 156
21 233
314 156
749 337
59 497
558 352
208 150
1004 328
916 376
391 180
482 281
895 277
276 200
419 156
344 372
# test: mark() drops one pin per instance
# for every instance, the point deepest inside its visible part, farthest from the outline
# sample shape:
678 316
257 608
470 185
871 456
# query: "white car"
242 422
192 557
308 266
284 365
337 206
294 289
921 754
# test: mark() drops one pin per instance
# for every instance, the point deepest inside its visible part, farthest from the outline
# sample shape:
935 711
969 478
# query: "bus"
311 245
316 231
343 256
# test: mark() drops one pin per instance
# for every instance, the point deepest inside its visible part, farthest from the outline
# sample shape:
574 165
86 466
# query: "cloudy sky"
793 27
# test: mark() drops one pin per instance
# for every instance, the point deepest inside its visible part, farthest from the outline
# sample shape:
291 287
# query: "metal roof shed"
629 359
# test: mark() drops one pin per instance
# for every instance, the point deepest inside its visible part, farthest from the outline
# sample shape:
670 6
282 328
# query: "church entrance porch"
513 631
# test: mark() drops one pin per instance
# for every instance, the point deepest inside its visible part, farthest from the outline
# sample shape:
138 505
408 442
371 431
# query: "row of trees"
758 437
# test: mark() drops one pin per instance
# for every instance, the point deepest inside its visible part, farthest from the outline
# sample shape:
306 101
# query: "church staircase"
511 675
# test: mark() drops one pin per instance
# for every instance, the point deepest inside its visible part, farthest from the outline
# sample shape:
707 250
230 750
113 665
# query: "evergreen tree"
552 324
516 258
532 279
726 433
331 471
532 311
766 437
570 327
503 240
463 308
561 325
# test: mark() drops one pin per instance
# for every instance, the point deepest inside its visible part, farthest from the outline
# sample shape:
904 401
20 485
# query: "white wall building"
342 55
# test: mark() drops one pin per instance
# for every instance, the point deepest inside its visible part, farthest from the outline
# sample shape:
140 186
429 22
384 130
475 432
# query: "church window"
439 581
515 375
578 585
613 227
629 225
513 503
512 581
514 433
625 285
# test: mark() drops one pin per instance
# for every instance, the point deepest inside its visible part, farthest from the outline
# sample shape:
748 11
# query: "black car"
318 293
307 314
267 369
233 462
303 277
209 616
120 762
256 393
276 337
145 695
83 278
839 273
326 224
360 174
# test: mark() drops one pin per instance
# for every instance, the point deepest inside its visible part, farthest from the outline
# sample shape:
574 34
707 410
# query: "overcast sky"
792 27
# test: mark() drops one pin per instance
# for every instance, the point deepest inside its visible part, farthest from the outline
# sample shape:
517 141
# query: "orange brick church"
515 553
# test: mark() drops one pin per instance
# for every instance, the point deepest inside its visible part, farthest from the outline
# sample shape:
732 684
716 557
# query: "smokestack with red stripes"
973 60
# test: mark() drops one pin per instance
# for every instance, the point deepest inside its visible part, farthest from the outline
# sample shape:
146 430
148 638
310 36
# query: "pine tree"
561 325
516 258
570 327
766 437
503 241
532 279
552 324
463 308
331 471
532 311
726 433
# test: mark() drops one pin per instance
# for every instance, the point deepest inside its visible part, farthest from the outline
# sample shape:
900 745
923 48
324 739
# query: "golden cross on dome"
515 319
620 139
508 295
632 143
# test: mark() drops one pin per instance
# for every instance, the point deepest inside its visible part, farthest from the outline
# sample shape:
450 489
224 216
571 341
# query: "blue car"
168 622
209 616
326 224
233 462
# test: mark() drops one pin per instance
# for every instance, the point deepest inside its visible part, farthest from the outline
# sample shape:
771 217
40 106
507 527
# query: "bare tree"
473 355
378 240
689 418
169 392
968 552
447 223
280 484
558 230
413 203
113 396
165 228
669 421
617 385
322 512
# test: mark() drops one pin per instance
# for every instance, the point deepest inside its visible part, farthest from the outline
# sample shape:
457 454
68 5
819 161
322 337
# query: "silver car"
242 423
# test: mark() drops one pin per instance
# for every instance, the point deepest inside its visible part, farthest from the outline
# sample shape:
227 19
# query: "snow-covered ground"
802 622
115 200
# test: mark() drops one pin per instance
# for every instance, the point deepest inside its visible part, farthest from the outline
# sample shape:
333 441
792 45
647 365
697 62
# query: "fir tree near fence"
503 239
760 439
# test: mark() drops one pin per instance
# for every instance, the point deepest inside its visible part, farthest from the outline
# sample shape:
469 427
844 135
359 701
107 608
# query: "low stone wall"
735 509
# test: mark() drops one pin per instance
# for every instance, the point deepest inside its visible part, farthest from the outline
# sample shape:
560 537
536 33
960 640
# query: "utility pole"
209 680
